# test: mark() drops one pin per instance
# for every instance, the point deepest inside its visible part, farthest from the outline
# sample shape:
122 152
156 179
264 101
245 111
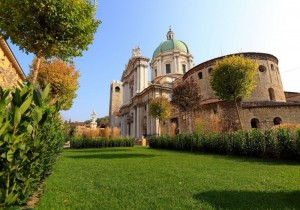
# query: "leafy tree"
87 121
49 28
63 79
103 121
186 97
160 108
234 77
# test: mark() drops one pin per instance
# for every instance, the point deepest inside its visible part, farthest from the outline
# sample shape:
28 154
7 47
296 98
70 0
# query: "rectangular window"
200 75
168 68
183 68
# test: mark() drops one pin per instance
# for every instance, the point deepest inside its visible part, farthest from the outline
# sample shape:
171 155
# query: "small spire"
170 28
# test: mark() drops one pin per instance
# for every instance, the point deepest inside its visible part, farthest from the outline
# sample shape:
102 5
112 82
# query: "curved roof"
170 44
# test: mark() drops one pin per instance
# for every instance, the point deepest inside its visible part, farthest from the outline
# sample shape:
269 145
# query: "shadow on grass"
110 156
250 200
100 150
237 158
257 160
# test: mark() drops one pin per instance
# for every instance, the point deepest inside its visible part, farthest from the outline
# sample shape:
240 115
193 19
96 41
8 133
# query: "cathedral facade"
172 61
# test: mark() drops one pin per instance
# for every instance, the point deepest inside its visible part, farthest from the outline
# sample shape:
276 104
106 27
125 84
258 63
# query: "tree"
186 97
103 121
63 79
87 121
160 109
234 77
51 28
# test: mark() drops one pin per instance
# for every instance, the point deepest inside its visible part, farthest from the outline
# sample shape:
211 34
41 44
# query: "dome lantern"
170 34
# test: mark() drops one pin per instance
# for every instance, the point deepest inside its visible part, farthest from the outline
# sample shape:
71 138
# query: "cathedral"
172 61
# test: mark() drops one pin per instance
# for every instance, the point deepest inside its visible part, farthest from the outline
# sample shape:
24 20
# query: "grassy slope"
142 178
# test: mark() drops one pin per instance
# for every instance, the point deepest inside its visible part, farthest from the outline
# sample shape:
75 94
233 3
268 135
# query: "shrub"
100 142
115 133
106 132
31 137
272 143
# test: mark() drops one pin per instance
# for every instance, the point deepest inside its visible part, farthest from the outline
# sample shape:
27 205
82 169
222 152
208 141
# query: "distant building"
10 71
171 62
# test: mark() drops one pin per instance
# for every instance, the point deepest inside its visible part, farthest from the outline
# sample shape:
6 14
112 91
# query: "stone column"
138 121
138 79
177 65
143 85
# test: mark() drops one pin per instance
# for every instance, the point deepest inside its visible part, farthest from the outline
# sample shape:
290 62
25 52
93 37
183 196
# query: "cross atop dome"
170 34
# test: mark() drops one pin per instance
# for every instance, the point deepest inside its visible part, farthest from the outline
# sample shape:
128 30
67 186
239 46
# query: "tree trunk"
37 67
238 113
158 128
186 123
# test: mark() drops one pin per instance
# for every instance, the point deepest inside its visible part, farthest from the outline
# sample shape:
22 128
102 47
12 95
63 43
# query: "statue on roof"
136 52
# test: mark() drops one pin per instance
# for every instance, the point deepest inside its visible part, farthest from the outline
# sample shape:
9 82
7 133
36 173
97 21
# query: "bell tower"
116 93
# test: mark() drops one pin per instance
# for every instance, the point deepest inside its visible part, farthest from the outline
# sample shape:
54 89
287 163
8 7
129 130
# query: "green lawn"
143 178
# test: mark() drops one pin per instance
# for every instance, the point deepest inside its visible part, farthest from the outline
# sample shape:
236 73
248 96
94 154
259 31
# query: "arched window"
254 123
209 70
272 66
200 75
155 73
117 89
277 121
271 94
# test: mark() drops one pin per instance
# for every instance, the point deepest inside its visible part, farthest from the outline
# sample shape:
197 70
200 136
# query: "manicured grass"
143 178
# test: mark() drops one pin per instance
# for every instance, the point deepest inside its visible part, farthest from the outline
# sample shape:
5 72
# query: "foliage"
70 131
186 96
115 133
160 108
107 132
49 28
31 137
87 121
142 178
102 122
273 143
234 77
62 77
102 142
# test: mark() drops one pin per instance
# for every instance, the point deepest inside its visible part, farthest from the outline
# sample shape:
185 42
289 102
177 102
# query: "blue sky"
210 28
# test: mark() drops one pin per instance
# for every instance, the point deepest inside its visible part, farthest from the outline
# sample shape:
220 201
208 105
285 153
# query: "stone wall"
116 94
269 85
266 115
10 70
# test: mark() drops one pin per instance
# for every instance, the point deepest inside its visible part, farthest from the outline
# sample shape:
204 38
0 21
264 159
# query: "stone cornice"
9 54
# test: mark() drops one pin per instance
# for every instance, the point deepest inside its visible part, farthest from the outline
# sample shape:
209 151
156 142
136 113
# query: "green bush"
278 143
102 142
31 137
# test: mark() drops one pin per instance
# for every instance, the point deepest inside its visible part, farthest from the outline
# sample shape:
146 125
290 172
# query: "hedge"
31 137
280 143
82 142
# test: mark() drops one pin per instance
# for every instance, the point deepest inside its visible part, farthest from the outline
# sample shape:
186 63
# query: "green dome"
170 44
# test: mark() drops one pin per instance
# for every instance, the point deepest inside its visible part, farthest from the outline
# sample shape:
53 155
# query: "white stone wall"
174 58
